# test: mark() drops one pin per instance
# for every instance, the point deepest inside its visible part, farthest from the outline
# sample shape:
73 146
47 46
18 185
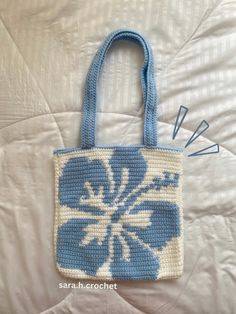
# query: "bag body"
119 208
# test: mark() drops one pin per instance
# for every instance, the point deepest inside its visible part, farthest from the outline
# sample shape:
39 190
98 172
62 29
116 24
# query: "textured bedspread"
46 49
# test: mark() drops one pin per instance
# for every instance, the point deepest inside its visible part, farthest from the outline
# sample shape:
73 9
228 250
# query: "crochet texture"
119 210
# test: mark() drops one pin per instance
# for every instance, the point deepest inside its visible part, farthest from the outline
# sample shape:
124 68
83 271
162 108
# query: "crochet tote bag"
118 208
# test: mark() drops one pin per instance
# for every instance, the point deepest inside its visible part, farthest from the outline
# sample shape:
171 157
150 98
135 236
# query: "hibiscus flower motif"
115 225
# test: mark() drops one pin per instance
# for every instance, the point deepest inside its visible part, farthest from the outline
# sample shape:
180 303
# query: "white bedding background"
46 48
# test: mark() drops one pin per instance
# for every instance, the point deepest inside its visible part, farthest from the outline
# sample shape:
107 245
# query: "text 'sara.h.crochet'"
119 209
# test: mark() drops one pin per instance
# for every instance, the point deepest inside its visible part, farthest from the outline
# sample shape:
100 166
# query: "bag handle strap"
88 125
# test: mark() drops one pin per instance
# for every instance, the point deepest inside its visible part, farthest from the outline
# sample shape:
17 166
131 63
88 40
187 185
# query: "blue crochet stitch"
118 209
76 238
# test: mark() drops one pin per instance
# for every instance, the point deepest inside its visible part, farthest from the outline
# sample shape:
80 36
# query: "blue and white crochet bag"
119 208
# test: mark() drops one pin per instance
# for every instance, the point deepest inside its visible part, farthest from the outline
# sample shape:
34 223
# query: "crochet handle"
88 126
